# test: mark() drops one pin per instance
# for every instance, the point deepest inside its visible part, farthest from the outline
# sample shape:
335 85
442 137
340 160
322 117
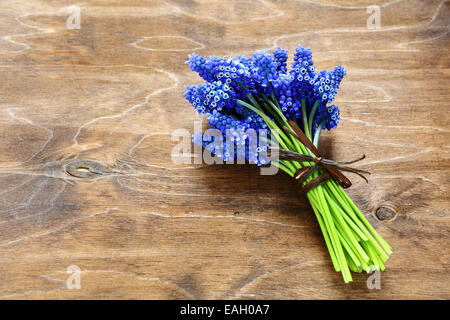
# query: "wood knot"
386 212
87 169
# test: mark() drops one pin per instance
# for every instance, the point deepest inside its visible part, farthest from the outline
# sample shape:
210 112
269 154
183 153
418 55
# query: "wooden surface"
140 226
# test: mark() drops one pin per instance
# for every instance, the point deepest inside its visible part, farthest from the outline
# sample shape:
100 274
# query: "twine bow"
333 169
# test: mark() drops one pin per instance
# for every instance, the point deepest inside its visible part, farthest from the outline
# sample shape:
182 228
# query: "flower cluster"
260 80
255 102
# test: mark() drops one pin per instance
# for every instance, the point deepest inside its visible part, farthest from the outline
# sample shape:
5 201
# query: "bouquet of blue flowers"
287 110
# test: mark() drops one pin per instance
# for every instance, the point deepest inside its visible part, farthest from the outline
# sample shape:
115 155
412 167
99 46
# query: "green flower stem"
312 114
317 134
325 234
363 219
274 99
345 228
283 167
352 265
360 222
334 237
358 233
272 113
345 242
305 119
253 100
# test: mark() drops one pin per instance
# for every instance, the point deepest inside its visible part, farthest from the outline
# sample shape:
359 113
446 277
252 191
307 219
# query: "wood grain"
86 178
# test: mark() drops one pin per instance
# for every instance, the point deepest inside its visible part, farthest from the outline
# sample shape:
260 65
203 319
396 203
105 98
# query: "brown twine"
333 169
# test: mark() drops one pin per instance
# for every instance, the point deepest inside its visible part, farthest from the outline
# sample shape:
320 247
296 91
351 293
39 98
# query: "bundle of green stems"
351 240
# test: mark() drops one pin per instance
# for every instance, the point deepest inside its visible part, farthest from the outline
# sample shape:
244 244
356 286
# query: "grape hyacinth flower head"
281 57
303 71
228 71
333 117
265 68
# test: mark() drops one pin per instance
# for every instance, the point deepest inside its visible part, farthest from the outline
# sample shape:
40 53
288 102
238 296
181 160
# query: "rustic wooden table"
87 107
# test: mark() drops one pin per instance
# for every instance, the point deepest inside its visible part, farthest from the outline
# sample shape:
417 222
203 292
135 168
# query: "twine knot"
333 169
